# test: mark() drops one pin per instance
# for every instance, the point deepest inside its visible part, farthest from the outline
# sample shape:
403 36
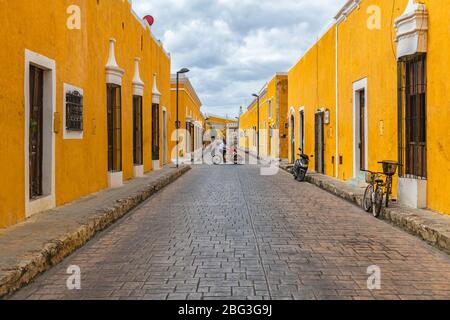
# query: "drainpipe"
337 163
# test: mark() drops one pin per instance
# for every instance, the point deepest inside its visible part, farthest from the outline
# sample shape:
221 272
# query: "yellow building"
273 120
85 99
218 127
190 118
312 96
373 88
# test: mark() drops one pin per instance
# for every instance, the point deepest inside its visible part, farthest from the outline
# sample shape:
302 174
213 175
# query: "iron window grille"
412 87
74 111
155 132
137 131
114 110
270 108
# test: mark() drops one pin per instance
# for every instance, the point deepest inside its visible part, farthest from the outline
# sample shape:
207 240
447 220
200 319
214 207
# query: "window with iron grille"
270 108
155 132
412 116
74 111
114 120
137 131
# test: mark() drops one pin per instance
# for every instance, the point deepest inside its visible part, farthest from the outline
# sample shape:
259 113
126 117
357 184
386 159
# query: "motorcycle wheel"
293 172
301 175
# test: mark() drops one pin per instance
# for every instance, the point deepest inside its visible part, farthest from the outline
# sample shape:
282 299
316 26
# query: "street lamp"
257 132
177 124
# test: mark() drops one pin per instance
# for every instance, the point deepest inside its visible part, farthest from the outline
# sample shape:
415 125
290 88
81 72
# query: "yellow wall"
275 93
361 61
247 124
438 110
312 87
217 125
365 53
81 56
187 101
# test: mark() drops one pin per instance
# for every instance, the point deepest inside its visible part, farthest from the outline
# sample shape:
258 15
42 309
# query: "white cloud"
234 46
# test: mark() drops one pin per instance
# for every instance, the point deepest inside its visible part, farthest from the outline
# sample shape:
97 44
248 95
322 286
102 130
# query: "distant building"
218 127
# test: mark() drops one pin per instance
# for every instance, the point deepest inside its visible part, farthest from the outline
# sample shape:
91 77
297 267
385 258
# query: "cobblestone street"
226 232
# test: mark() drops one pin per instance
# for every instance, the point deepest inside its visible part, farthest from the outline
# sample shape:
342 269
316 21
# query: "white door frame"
292 132
358 86
48 200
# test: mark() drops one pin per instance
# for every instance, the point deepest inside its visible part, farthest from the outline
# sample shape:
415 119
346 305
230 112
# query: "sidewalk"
431 227
32 247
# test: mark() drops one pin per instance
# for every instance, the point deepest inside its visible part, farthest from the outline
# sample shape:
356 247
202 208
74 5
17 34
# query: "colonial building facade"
373 88
218 127
191 120
85 102
272 114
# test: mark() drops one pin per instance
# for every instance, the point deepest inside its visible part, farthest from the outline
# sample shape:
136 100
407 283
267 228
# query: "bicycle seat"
379 181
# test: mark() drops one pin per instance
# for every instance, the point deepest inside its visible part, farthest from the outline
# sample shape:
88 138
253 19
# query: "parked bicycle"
232 156
379 189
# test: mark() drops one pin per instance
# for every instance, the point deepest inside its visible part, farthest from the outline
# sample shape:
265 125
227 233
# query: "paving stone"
226 232
34 246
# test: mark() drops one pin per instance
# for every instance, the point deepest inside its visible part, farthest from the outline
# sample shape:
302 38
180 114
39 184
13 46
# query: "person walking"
224 150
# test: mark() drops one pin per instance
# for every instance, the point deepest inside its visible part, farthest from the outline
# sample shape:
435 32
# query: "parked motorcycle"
300 167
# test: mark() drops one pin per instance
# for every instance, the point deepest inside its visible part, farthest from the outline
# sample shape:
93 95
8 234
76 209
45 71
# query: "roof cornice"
346 10
187 83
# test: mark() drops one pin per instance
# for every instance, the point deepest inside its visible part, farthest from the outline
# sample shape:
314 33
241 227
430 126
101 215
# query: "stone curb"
56 250
433 228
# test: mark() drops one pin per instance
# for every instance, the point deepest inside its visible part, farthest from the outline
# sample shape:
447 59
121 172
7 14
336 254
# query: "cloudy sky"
233 47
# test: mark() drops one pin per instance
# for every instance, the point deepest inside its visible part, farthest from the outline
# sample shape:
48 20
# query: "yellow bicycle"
378 188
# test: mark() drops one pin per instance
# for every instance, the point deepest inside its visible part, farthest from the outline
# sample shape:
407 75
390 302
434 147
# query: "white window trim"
68 134
358 86
48 201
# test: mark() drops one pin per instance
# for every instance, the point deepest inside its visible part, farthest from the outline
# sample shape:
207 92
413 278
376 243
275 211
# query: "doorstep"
432 227
34 246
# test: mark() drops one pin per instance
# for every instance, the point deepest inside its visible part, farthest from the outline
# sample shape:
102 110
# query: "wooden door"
320 143
293 153
362 130
36 131
302 131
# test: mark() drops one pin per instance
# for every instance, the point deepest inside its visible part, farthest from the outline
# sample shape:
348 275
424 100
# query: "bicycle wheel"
217 160
378 202
367 200
388 191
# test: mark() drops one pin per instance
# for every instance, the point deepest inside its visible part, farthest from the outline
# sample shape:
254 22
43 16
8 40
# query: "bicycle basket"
389 167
